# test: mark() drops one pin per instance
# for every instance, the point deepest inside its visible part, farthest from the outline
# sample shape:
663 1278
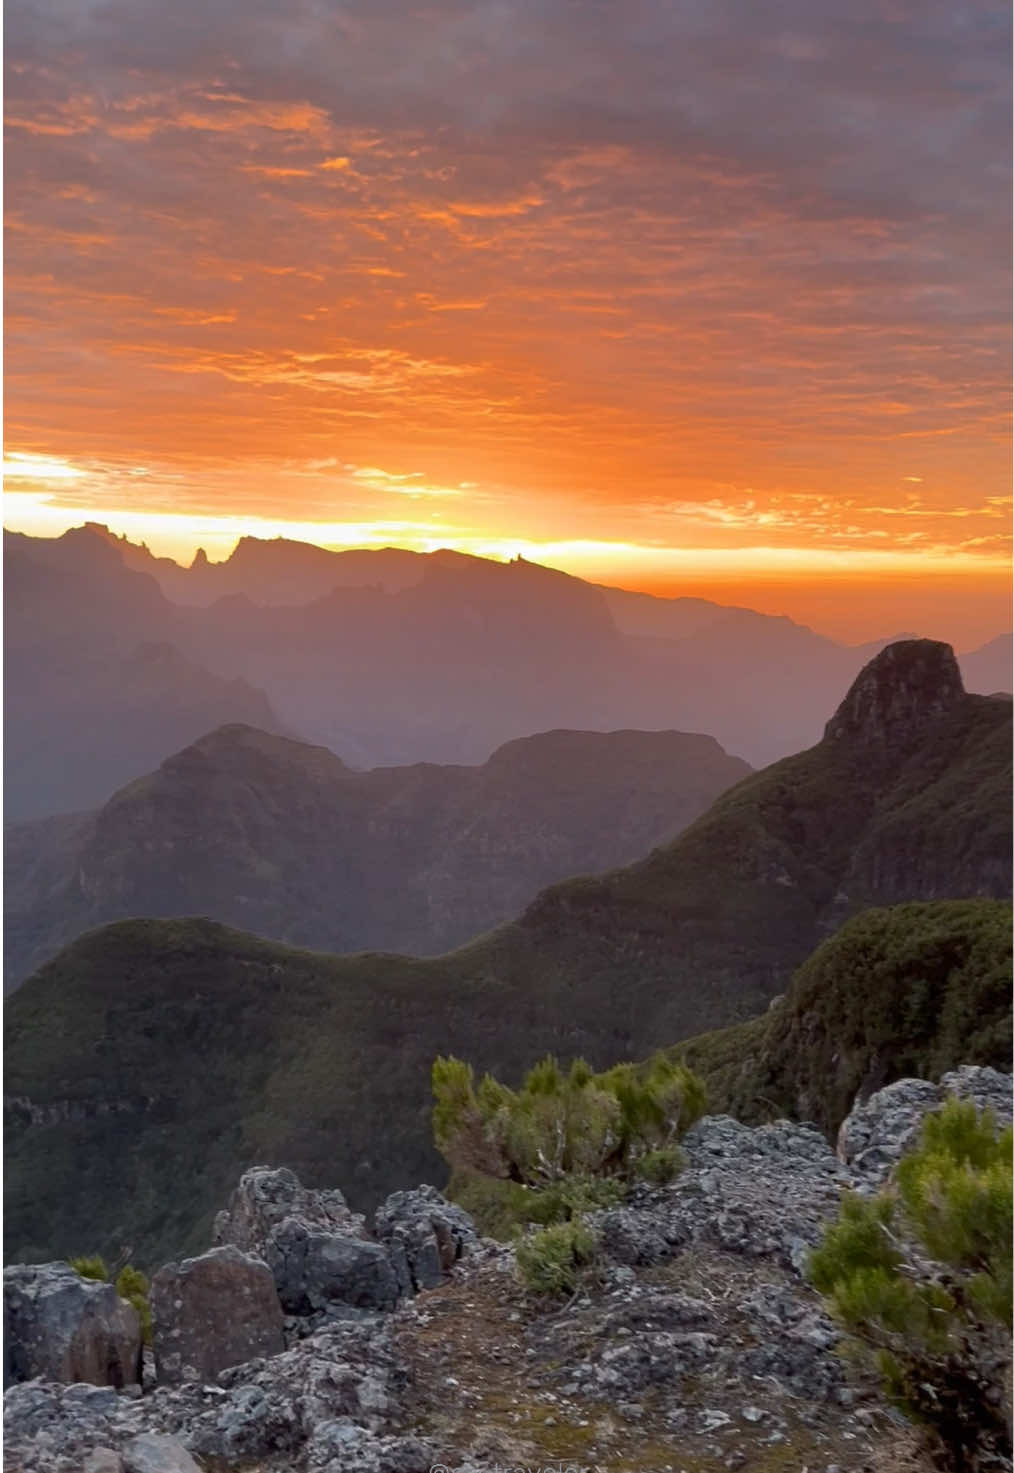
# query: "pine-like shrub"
559 1125
552 1261
919 1277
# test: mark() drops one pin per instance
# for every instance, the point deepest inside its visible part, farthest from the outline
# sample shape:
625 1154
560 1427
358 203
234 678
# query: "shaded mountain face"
96 691
390 657
906 991
283 839
151 1060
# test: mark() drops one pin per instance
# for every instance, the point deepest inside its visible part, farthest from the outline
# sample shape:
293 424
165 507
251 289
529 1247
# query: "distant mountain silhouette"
990 668
391 657
285 840
95 693
151 1060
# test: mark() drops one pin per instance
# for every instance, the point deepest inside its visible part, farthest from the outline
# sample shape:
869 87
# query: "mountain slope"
151 1059
912 990
283 839
97 688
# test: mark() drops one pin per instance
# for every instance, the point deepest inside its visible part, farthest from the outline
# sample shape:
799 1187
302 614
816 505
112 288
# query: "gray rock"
153 1452
343 1447
876 1134
313 1269
266 1196
66 1328
102 1460
425 1236
212 1312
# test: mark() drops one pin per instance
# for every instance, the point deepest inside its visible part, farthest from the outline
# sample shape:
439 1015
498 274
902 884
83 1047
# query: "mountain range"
282 839
151 1059
386 657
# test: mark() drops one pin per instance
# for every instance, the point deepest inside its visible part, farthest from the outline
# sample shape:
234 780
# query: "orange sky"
679 298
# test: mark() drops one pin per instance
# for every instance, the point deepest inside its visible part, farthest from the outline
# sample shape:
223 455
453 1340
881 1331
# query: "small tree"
561 1125
920 1277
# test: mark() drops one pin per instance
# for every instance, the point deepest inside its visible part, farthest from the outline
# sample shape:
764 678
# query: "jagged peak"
903 687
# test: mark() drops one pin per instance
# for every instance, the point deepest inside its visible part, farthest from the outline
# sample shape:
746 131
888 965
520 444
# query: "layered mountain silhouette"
96 692
150 1060
283 839
386 657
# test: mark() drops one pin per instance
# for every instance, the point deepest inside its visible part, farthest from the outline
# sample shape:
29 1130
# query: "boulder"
65 1328
425 1236
313 1269
103 1460
218 1310
153 1452
266 1196
876 1134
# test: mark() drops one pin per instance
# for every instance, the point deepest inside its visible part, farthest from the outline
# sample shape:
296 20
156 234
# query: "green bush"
660 1166
557 1125
552 1261
920 1278
90 1268
565 1142
131 1285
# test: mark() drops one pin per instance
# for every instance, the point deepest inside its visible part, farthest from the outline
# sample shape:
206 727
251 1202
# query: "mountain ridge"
284 839
168 1053
442 658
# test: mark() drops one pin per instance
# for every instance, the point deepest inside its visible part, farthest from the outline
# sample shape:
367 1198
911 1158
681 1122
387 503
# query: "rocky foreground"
305 1341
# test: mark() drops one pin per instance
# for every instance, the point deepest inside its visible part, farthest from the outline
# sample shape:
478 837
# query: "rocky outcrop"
908 685
333 1402
317 1270
697 1331
266 1196
322 1258
63 1327
212 1312
876 1134
424 1234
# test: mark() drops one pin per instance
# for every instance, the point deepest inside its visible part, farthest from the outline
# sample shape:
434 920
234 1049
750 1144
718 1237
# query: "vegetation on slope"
155 1059
281 838
908 990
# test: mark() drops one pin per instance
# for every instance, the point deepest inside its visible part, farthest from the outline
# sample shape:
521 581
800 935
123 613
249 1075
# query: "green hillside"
907 991
153 1060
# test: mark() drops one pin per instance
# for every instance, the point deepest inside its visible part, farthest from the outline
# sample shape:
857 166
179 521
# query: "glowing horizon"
452 280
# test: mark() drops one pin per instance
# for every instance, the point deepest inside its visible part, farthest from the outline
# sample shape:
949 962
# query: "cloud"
605 261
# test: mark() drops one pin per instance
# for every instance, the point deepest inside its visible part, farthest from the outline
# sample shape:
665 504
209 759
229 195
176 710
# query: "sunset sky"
678 294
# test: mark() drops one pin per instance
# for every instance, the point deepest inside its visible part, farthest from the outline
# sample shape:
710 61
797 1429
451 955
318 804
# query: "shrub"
90 1268
660 1166
920 1278
557 1125
133 1286
552 1261
565 1142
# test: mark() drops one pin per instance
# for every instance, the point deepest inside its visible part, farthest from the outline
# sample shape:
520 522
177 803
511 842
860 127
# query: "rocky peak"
906 686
